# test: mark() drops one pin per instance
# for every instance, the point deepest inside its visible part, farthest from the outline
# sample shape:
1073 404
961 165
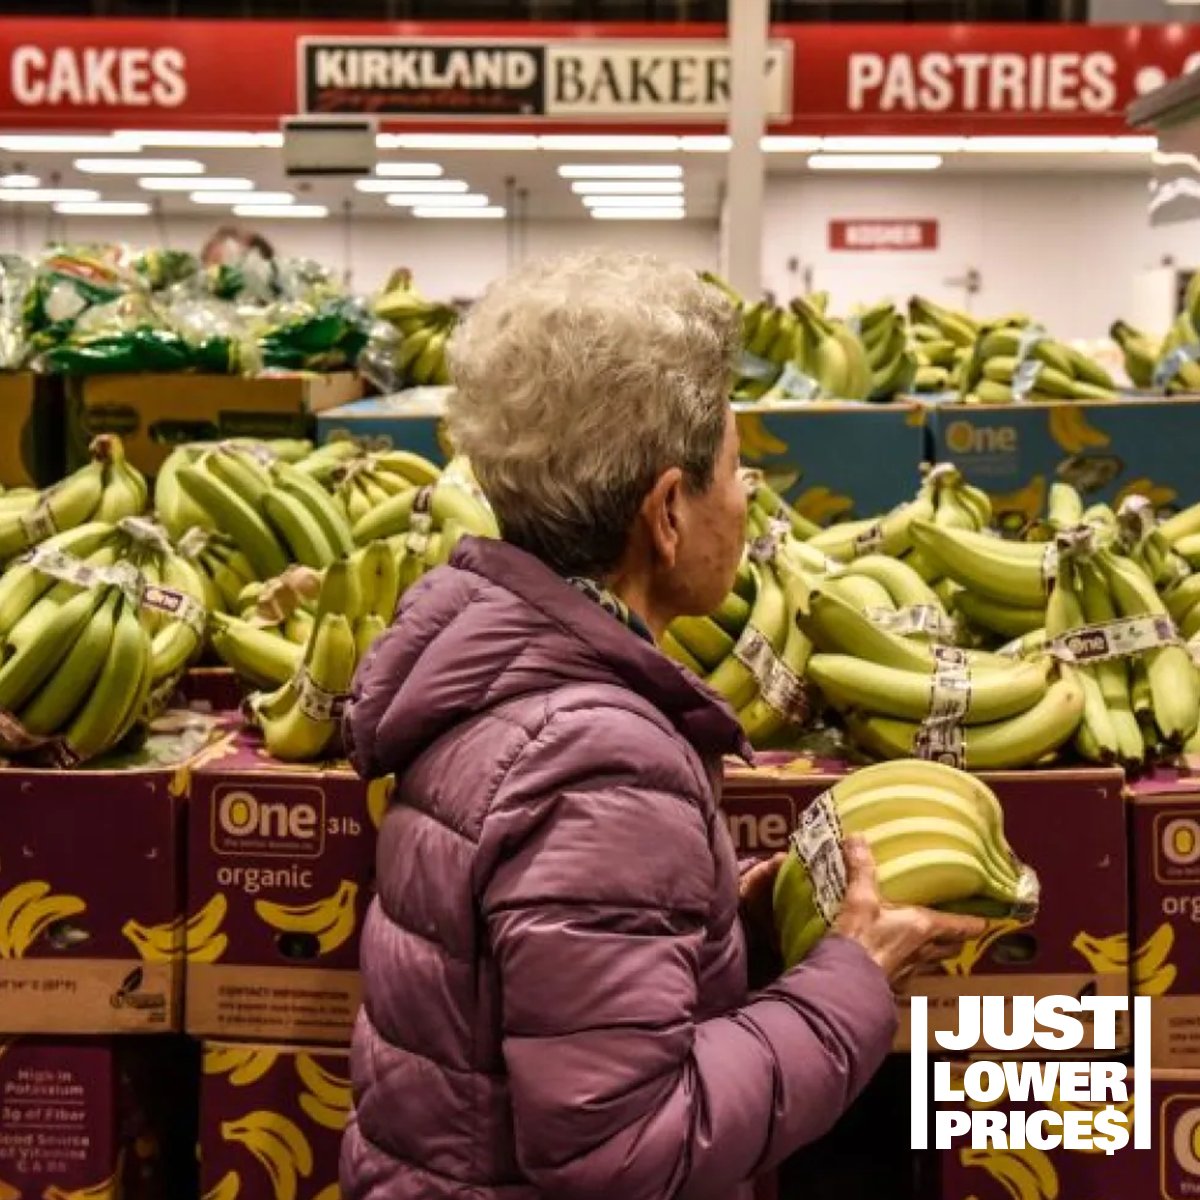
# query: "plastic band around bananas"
194 542
1027 896
793 384
916 618
315 702
750 366
786 693
940 737
179 606
146 532
868 542
37 523
1114 639
1049 567
69 569
817 841
1028 369
1170 366
259 451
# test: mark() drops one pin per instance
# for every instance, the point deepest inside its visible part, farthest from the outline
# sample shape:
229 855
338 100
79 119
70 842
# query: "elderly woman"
555 981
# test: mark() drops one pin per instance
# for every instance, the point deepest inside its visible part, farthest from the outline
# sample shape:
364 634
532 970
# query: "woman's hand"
899 938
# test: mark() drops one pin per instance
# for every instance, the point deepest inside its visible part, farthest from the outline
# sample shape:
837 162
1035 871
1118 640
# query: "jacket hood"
495 625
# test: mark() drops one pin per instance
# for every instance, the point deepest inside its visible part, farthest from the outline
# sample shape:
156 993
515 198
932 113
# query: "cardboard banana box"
1170 1170
1106 449
271 1120
155 413
281 859
98 1118
92 891
1078 940
1165 937
31 440
834 461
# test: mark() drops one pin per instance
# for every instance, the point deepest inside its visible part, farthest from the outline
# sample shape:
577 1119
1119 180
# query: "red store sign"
821 79
883 235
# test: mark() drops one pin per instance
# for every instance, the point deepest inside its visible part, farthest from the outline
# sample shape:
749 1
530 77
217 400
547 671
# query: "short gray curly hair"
578 381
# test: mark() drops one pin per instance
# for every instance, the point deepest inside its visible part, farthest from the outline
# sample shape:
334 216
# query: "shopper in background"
555 982
231 245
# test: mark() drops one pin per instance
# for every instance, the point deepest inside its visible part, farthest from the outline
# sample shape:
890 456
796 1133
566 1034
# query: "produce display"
1171 364
937 837
414 351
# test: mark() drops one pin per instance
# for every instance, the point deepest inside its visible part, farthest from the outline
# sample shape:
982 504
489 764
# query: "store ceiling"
501 176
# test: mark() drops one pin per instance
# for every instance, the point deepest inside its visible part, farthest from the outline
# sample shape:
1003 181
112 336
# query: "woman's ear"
662 513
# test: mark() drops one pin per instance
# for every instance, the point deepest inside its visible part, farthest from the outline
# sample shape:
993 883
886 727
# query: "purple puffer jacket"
555 995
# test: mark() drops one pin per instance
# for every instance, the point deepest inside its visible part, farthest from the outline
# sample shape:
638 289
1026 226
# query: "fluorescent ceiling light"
710 143
207 183
492 212
242 198
139 166
300 211
19 181
893 145
24 195
456 141
63 143
608 141
411 170
199 139
435 199
779 144
425 186
103 208
616 171
1061 145
626 200
638 214
631 187
875 162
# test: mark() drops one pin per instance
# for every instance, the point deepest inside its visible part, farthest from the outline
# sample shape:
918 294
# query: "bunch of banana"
275 512
938 356
224 570
889 534
1177 368
937 836
1012 362
327 461
330 921
28 911
106 489
362 485
893 362
751 650
429 519
355 605
1141 352
424 327
934 323
280 1146
172 505
832 354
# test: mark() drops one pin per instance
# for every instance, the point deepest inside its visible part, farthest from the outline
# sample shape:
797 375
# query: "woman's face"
712 531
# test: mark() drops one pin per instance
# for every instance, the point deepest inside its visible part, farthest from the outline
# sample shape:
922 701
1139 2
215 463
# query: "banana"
39 643
864 593
278 1144
22 584
260 656
704 640
672 648
321 506
890 535
1009 572
417 471
332 919
367 630
297 528
904 587
768 621
1020 741
237 518
848 682
1003 619
115 702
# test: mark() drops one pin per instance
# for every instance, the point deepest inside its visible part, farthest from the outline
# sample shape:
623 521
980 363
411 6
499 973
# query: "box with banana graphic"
833 461
1163 950
1072 945
1106 450
271 1121
97 1118
280 866
1170 1170
91 896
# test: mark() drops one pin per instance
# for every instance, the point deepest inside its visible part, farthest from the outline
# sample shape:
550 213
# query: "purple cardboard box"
1165 953
281 861
1079 937
91 895
101 1117
271 1120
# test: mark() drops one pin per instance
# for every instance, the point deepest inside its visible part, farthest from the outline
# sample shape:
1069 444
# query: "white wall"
1064 248
448 258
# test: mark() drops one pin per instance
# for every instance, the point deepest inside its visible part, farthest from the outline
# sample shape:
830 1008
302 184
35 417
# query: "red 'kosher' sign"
883 235
821 79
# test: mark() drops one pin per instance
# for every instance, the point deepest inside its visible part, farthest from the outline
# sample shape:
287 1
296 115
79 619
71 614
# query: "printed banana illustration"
278 1144
226 1188
331 921
1026 1174
241 1065
27 911
328 1097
